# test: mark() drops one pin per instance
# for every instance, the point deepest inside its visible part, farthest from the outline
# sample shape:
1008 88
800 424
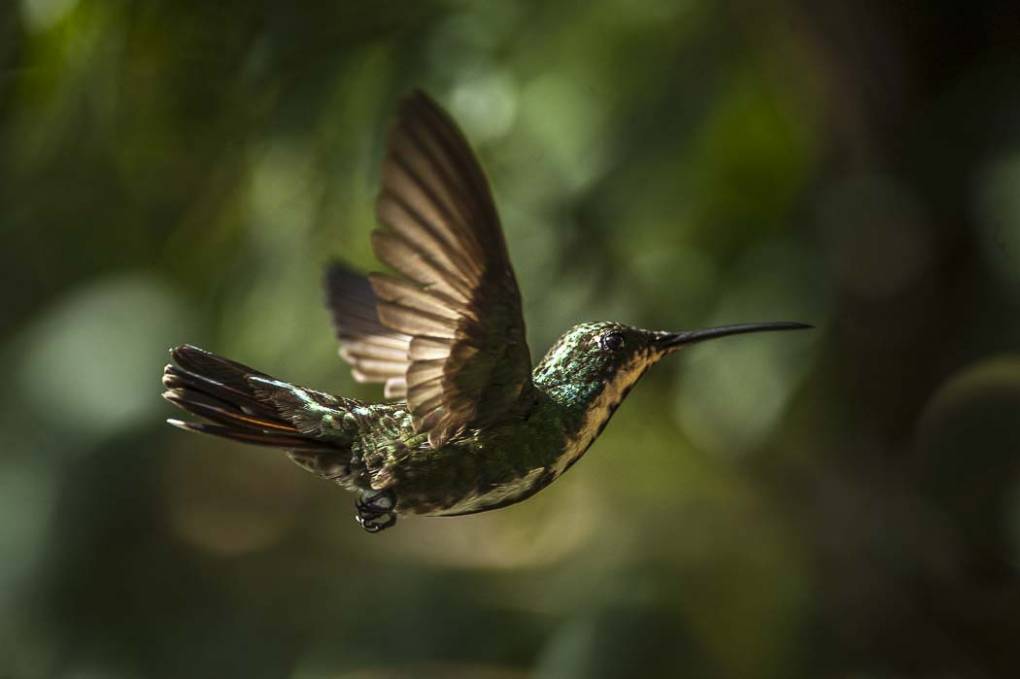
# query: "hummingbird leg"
374 510
377 522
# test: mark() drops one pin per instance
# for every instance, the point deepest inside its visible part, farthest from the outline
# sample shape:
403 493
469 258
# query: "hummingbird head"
595 356
592 367
614 355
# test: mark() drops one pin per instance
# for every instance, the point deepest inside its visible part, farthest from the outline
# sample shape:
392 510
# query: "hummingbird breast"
499 494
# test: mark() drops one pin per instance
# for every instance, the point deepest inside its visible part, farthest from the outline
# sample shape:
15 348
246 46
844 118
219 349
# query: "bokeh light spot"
486 105
41 15
998 207
567 121
92 362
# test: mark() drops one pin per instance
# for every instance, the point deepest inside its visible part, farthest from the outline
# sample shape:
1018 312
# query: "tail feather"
221 412
216 376
253 438
223 392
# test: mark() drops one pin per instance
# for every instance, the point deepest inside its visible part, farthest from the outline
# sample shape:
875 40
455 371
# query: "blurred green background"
839 503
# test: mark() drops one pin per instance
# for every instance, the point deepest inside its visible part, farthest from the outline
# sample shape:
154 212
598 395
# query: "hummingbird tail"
241 403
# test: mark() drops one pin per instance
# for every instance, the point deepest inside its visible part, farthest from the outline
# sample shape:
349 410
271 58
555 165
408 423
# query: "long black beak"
673 340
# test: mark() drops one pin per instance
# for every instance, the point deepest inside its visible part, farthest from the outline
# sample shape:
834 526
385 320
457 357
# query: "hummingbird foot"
374 510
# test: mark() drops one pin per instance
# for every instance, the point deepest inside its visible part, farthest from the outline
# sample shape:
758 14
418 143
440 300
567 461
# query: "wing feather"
400 291
455 294
375 352
413 261
446 331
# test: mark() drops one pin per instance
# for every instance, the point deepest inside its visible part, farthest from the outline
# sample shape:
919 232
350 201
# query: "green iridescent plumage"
476 428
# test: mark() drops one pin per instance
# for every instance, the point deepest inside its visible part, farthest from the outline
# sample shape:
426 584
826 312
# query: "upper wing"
455 297
375 352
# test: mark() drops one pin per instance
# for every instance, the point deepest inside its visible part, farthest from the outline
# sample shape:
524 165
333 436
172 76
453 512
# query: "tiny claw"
374 524
375 510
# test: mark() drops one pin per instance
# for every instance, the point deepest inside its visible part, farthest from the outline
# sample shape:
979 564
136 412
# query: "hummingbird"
469 424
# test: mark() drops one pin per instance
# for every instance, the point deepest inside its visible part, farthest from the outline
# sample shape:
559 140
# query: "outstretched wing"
455 295
375 353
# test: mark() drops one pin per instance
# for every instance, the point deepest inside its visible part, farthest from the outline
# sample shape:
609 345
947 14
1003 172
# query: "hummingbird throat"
591 404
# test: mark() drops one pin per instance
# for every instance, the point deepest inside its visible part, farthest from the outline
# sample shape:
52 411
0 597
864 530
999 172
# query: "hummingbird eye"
612 341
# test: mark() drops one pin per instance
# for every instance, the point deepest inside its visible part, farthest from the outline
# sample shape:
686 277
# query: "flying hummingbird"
475 427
